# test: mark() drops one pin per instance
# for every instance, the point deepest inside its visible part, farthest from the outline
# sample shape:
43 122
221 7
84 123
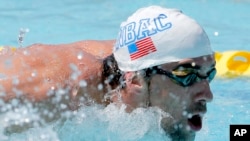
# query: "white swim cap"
154 35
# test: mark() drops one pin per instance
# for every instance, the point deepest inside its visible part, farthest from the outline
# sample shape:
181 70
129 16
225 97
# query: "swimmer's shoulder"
98 48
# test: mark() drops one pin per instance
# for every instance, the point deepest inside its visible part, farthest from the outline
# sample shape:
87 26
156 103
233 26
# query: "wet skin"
182 103
185 105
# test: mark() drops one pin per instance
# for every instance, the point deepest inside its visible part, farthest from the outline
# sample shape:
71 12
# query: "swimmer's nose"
205 93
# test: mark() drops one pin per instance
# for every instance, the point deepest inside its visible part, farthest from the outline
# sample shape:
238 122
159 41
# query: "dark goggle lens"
184 79
211 74
191 78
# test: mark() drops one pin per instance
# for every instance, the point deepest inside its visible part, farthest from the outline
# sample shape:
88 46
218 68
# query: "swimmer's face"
185 104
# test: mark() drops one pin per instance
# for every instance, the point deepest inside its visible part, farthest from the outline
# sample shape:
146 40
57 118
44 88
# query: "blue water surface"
63 21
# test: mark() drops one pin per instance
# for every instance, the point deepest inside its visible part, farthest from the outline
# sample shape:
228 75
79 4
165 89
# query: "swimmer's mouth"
195 122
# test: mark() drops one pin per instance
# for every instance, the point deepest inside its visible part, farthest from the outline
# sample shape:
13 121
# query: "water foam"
95 123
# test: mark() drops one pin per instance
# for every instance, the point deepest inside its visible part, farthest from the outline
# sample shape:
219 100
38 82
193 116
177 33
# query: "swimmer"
161 58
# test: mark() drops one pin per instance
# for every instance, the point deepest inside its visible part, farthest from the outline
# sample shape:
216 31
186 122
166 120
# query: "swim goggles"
184 78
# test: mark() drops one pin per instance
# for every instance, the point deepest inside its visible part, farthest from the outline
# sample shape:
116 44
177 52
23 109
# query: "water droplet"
45 112
63 106
36 89
193 64
17 92
73 67
184 103
83 83
184 113
1 103
25 52
29 79
80 55
21 35
74 113
42 136
2 94
47 79
27 120
216 33
52 88
8 63
17 123
67 114
74 76
82 115
15 81
27 30
14 102
50 115
61 92
205 58
33 74
188 128
6 119
100 87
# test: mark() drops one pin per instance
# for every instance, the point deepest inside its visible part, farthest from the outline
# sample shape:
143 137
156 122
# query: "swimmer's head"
154 35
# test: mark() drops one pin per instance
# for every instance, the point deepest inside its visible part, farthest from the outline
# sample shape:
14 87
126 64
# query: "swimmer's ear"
133 78
135 94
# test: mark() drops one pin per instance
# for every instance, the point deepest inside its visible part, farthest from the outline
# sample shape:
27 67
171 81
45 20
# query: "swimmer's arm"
34 71
31 72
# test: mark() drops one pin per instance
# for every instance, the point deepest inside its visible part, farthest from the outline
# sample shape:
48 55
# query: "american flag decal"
141 48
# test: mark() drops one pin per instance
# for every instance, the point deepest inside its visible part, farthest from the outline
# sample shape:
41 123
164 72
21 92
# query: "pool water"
52 22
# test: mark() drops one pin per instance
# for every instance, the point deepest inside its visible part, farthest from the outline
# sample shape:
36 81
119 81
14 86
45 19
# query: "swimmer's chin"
182 137
177 133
